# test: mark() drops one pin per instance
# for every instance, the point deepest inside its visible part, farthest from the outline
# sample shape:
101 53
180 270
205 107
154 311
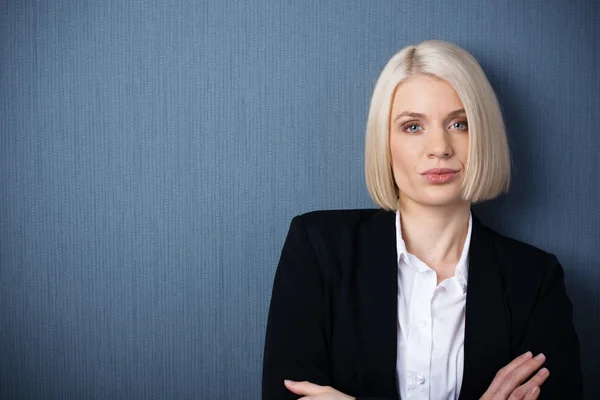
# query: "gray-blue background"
154 152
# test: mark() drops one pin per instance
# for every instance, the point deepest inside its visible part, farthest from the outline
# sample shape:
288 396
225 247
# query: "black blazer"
333 314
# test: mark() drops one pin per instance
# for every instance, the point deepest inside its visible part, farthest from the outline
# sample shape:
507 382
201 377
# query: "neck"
435 234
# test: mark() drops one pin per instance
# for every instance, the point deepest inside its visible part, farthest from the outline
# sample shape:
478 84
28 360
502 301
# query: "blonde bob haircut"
487 173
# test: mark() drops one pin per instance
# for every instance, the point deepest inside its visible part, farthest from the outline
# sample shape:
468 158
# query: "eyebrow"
419 115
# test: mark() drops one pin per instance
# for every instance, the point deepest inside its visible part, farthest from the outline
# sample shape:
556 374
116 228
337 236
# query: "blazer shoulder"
521 257
519 247
332 221
332 232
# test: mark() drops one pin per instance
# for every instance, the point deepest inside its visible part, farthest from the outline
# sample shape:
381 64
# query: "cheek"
404 156
462 149
396 153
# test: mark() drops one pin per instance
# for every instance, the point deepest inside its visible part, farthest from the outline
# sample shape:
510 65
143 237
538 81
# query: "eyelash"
410 124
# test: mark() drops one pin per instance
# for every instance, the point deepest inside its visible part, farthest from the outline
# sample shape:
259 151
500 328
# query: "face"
429 141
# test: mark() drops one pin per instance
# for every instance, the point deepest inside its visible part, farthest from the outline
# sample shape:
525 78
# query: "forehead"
425 94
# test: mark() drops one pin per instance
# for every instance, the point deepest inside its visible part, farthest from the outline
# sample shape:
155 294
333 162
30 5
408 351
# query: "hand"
508 381
315 392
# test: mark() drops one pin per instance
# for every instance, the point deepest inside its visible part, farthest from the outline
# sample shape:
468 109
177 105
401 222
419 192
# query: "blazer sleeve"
550 330
296 344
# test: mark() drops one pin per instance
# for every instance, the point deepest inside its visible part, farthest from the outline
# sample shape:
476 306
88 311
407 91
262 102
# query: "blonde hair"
487 173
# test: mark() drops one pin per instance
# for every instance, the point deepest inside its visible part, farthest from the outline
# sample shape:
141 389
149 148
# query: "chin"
434 195
443 202
441 198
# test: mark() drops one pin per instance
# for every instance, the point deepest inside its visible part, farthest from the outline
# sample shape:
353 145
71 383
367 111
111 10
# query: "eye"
411 128
460 125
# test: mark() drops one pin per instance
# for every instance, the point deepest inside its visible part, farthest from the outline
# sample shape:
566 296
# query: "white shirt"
431 326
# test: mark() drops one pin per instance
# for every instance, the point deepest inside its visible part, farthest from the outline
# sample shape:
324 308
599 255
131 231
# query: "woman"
417 299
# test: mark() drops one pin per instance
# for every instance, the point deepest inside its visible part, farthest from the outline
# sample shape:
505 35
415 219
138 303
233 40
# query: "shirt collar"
462 268
401 251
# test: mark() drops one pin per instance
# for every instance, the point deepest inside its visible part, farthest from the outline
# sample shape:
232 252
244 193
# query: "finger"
514 379
304 388
539 378
533 393
536 381
506 370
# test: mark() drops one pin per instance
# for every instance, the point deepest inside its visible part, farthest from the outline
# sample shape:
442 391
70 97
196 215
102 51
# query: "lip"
440 175
439 171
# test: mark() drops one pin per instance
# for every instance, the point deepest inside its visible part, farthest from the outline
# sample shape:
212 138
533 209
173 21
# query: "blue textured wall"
154 152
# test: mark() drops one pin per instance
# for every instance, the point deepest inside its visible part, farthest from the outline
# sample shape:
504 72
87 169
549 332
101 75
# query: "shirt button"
422 324
420 379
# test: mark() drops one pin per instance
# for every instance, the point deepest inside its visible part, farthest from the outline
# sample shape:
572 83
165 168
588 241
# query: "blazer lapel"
487 346
375 298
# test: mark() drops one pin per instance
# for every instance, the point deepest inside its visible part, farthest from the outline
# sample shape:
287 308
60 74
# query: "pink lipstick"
440 175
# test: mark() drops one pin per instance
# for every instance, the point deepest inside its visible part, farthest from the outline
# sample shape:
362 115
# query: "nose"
439 145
